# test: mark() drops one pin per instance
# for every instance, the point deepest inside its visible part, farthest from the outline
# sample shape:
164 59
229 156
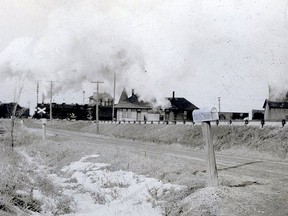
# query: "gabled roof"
276 104
131 102
180 103
123 96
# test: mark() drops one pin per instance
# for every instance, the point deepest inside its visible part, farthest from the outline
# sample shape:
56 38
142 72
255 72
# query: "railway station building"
131 109
275 110
180 109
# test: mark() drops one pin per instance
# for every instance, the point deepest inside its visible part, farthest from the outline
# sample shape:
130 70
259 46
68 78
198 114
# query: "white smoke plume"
86 42
277 93
81 43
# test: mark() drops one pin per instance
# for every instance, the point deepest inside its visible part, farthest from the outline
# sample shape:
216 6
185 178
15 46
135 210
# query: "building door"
138 116
171 116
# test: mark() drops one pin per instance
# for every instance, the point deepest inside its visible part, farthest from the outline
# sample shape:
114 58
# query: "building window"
138 117
124 113
185 115
129 113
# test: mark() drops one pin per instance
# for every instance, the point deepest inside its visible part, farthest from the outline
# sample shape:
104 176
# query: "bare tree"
14 116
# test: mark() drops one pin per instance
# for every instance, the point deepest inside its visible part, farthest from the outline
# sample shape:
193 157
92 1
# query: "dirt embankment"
272 140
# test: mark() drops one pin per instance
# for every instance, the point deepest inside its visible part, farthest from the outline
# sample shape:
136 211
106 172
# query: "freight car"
72 111
7 109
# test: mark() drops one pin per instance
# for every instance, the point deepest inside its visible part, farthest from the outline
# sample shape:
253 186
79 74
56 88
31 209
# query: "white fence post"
44 122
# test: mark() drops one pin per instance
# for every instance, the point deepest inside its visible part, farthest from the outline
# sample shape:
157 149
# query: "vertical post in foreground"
44 122
211 167
205 116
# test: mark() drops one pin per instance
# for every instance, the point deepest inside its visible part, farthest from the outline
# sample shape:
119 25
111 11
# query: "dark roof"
131 102
136 105
123 96
181 104
276 104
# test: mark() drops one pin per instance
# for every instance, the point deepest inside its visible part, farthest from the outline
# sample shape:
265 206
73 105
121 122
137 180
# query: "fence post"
44 122
262 123
283 122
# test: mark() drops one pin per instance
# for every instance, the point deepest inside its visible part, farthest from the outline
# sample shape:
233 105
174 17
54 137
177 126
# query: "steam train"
7 109
73 111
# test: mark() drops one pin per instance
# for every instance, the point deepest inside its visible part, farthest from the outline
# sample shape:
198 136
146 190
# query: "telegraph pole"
97 104
37 92
83 96
29 102
219 104
51 87
113 97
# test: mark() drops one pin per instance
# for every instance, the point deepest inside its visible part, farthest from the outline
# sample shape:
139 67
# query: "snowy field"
95 189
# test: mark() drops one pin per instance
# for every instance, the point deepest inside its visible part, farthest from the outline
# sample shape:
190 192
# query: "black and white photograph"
143 108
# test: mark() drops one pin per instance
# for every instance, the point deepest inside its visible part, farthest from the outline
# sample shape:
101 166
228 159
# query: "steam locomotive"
73 111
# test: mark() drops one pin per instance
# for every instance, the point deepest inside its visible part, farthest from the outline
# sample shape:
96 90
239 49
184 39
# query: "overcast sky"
202 50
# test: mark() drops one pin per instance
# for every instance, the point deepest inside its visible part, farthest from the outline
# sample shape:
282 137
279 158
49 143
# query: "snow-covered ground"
96 190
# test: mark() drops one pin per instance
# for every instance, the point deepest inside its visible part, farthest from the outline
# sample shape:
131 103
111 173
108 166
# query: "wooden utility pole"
219 104
51 95
83 92
97 104
51 86
211 167
113 97
37 92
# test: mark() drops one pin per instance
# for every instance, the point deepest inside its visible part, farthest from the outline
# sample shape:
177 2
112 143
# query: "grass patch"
272 140
19 178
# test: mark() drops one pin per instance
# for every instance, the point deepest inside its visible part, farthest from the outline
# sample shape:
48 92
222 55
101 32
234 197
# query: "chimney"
132 92
173 94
